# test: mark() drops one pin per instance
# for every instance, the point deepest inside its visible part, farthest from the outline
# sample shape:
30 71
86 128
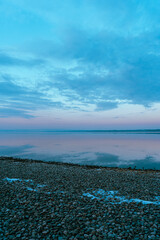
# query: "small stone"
18 235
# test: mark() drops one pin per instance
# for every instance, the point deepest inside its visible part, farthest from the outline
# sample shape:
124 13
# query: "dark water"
104 149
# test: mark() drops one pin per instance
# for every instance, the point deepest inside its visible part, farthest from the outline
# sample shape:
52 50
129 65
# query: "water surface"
138 150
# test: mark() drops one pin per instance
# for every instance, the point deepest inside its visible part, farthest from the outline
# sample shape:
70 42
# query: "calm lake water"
104 149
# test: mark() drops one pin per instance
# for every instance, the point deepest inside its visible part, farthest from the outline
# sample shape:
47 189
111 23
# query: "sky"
79 64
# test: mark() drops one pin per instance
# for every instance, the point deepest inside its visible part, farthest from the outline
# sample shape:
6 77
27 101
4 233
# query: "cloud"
101 106
7 60
20 101
135 16
112 67
98 55
11 112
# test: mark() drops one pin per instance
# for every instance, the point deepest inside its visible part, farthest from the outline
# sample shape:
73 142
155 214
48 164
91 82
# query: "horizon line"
82 130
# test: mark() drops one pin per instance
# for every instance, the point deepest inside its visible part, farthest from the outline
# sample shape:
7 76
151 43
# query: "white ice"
27 181
31 189
90 195
16 179
40 186
111 197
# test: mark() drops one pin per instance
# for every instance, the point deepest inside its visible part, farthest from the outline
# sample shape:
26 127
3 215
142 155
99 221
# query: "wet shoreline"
14 159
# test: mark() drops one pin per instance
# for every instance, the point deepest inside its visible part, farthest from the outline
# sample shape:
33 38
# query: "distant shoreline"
137 131
76 165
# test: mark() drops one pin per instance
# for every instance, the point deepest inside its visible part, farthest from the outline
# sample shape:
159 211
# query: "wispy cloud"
87 55
20 101
7 60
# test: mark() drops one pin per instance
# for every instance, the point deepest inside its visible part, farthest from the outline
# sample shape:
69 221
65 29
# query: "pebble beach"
41 200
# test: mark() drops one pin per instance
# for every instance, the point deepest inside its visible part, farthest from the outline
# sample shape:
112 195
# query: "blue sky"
79 64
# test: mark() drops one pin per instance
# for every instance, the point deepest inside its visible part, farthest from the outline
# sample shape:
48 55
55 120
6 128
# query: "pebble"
65 213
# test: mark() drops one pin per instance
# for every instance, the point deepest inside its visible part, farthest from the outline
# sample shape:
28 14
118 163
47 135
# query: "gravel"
52 201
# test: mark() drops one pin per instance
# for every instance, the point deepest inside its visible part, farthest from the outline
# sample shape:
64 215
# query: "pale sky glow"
83 64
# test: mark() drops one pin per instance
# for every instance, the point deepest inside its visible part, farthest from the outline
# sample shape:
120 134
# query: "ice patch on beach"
40 186
112 197
17 180
31 189
89 195
13 180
